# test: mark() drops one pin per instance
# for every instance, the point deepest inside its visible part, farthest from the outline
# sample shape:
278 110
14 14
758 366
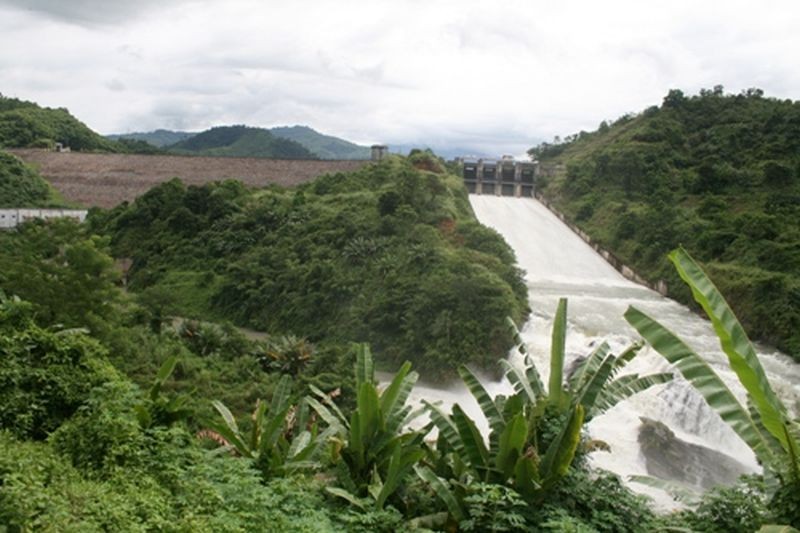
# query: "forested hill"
321 145
389 254
22 186
717 173
241 141
26 124
158 138
324 146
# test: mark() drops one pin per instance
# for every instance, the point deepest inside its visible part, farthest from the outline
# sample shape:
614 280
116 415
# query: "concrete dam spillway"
558 264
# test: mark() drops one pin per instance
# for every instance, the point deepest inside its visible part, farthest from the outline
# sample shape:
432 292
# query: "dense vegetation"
389 255
241 141
717 173
27 125
22 186
84 448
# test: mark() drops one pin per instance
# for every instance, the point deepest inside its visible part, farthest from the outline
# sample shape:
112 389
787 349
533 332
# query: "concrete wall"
626 271
11 218
505 178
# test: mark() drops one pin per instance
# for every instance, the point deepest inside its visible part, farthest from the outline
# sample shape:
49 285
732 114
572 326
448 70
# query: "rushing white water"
559 264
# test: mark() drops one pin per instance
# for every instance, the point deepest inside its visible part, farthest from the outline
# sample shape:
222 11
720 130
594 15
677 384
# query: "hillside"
241 141
22 186
717 173
158 138
26 124
387 254
324 146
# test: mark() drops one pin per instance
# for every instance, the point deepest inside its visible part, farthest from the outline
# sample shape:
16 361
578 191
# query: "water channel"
559 264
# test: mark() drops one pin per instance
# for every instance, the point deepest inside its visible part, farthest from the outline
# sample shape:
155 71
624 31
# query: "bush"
738 509
45 375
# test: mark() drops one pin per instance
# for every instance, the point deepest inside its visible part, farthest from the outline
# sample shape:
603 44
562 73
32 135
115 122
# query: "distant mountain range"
445 152
325 146
245 141
158 138
241 141
295 142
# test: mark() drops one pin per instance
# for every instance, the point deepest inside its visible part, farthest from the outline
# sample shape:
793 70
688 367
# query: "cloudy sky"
496 77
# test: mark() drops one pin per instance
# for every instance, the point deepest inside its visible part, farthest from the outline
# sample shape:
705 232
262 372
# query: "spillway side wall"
627 272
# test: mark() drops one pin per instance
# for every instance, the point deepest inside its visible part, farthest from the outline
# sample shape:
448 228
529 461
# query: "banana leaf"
561 451
164 372
485 401
594 383
442 489
511 444
588 366
365 371
520 382
446 426
626 386
472 439
733 339
557 352
396 394
230 430
703 378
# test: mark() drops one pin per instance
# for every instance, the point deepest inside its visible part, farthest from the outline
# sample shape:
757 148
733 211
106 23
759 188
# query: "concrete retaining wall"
613 260
11 218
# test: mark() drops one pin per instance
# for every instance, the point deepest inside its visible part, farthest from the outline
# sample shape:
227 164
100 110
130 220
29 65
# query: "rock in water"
668 457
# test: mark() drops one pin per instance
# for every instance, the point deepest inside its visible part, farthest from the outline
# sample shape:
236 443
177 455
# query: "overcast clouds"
496 76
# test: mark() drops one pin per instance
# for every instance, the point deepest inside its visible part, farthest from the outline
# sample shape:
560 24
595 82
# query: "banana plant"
281 437
373 448
593 383
535 433
158 409
764 424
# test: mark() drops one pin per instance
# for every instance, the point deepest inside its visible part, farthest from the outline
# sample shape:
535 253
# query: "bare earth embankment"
105 180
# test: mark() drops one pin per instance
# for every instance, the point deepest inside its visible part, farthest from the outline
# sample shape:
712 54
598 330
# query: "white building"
11 218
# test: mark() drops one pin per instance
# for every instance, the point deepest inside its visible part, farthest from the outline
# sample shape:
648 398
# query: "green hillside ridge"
324 146
22 186
388 255
241 141
718 173
159 138
27 125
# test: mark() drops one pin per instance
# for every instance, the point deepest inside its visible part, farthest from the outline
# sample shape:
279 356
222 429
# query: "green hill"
241 141
157 138
387 254
26 124
324 146
717 173
22 186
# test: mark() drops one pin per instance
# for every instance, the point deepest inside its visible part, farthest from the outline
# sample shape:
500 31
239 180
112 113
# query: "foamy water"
559 264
